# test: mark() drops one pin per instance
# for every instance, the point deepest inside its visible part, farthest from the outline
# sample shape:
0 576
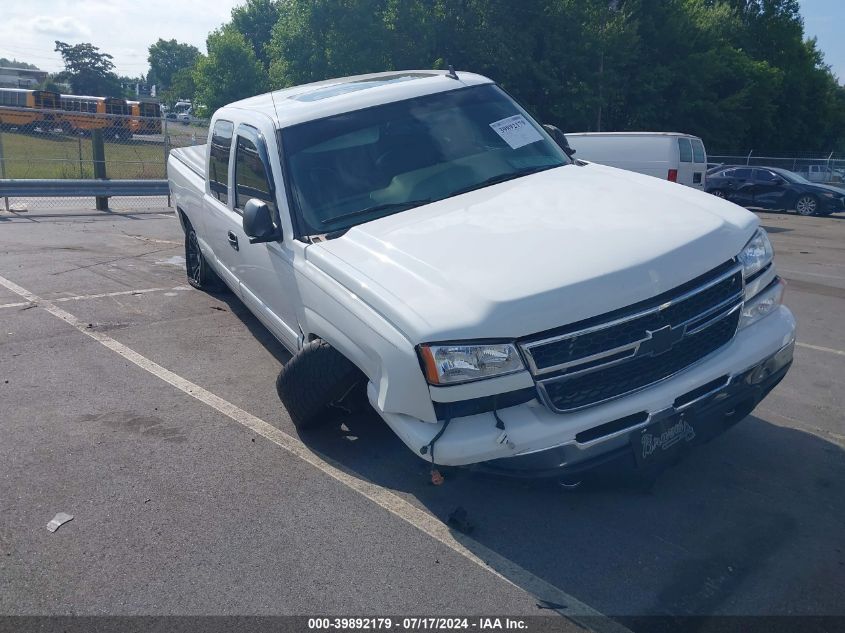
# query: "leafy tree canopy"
229 72
739 73
167 57
14 63
254 20
88 71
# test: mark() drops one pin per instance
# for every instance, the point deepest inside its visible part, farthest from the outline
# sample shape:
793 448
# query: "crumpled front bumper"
533 433
715 408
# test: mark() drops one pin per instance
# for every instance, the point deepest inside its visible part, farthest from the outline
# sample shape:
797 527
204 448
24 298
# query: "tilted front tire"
314 384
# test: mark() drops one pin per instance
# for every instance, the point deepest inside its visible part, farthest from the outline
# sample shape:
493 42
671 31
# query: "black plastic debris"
458 520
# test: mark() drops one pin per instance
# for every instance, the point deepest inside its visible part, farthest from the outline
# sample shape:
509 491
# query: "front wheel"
318 384
806 205
200 274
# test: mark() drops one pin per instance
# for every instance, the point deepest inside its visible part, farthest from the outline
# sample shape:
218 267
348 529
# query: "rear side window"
698 151
685 150
764 175
251 179
218 161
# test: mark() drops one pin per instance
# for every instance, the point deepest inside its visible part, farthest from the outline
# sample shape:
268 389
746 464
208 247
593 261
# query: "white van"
666 155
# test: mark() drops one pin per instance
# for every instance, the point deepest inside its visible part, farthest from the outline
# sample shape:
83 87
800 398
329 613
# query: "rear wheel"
200 274
318 385
718 193
806 205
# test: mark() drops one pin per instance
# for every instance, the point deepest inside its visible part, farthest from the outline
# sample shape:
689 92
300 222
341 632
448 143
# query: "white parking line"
464 545
819 348
801 272
97 296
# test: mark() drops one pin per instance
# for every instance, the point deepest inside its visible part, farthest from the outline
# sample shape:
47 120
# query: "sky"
126 29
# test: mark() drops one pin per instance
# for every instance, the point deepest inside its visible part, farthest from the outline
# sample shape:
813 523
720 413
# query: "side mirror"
258 222
560 138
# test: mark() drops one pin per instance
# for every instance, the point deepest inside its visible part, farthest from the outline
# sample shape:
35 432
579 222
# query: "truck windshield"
358 166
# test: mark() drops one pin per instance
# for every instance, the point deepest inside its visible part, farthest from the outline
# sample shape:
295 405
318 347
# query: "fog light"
763 304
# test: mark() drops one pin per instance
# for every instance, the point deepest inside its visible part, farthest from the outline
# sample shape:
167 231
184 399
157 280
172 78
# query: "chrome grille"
618 353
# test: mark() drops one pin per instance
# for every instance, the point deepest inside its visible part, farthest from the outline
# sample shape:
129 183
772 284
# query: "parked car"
775 188
820 173
678 158
417 240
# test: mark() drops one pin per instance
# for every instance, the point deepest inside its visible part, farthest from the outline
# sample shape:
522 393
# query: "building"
21 77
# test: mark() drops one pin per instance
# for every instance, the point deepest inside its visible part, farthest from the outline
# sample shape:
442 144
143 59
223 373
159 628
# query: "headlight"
757 254
763 304
455 363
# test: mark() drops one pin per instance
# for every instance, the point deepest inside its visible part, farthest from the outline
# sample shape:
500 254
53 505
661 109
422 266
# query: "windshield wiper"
392 207
503 178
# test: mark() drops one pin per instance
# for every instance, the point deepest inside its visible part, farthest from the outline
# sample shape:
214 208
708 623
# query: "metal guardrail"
33 188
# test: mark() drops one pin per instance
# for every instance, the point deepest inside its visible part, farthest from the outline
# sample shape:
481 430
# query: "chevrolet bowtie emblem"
660 341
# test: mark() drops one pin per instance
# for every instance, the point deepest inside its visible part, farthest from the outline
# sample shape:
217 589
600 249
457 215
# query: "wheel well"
183 219
311 337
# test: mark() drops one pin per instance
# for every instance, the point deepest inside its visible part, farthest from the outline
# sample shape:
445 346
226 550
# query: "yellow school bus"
85 114
24 109
150 117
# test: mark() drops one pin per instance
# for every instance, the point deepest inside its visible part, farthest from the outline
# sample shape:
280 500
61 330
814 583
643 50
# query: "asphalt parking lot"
147 410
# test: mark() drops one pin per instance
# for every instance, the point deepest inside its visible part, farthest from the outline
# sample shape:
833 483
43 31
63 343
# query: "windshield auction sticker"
516 131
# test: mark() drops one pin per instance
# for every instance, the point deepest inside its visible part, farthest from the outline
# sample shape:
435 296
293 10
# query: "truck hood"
533 253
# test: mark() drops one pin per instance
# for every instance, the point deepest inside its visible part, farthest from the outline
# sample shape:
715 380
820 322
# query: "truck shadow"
751 523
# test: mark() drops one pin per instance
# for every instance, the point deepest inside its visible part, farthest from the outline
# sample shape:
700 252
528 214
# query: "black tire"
200 274
315 383
807 204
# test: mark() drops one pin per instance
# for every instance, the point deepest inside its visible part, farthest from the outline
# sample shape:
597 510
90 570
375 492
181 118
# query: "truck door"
685 164
699 164
217 207
265 271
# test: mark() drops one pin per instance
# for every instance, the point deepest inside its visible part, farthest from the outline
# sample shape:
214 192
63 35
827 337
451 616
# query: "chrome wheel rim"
806 205
719 194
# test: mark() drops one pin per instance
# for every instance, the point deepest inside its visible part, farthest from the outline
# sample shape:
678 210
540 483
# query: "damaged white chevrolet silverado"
417 237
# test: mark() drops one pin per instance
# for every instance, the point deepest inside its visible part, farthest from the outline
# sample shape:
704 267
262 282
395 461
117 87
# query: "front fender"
378 349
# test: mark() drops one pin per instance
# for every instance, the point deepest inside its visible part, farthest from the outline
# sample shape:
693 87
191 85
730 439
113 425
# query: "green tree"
229 72
14 63
182 86
255 20
167 57
88 71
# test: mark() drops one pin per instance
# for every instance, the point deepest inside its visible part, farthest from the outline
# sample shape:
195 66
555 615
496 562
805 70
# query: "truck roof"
673 134
298 104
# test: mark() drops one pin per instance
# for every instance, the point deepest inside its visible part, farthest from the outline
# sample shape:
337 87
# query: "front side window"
218 160
358 166
251 180
742 174
685 149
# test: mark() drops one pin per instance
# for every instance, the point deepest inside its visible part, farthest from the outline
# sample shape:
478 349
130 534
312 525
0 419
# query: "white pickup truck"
418 238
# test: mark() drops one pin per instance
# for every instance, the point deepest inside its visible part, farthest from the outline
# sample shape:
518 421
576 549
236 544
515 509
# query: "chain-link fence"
54 144
829 168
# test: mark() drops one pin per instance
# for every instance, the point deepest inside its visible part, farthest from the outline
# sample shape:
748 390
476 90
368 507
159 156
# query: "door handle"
233 241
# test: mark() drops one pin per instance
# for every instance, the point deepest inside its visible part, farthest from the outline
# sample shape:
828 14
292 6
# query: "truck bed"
193 157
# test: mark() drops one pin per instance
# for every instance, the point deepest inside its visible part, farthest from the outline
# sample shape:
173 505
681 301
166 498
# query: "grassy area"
38 155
